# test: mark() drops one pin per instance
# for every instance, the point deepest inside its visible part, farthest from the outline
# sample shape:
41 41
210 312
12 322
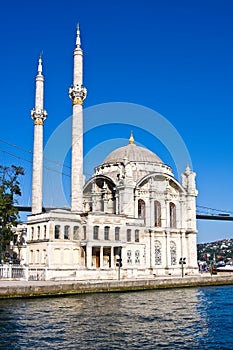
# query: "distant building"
132 212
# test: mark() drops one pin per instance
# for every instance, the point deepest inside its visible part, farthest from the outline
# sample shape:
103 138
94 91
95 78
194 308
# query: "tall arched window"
128 235
32 233
117 233
66 232
173 253
172 215
106 233
158 253
45 231
141 209
57 232
157 214
96 232
76 232
38 232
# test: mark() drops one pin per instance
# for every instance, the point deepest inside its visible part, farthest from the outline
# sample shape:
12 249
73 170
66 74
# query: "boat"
225 268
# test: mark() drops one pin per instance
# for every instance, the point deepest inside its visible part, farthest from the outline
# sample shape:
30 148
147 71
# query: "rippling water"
195 318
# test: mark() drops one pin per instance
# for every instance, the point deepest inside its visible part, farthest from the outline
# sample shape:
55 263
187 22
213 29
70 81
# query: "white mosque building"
132 219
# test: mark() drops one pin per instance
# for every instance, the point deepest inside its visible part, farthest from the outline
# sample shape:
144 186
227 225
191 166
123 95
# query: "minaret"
77 93
38 115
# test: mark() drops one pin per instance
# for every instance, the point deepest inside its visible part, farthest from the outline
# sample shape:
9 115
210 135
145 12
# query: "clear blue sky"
175 57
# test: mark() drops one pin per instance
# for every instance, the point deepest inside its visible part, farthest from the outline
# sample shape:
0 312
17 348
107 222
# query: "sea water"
185 318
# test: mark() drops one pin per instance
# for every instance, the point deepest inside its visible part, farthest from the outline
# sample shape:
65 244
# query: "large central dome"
133 153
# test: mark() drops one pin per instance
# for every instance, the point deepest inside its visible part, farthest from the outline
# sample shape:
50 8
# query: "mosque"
131 219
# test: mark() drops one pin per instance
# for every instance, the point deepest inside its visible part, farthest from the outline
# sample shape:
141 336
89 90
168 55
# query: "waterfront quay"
19 289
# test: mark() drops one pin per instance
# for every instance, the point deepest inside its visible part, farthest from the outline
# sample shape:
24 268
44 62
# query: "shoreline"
30 289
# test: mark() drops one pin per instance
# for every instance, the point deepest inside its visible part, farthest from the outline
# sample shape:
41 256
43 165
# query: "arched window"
128 235
57 232
136 235
117 233
76 233
38 232
157 214
106 233
66 232
172 215
45 231
173 253
141 209
32 233
158 253
96 232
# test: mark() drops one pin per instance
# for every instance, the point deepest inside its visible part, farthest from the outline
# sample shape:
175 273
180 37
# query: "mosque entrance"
106 257
96 257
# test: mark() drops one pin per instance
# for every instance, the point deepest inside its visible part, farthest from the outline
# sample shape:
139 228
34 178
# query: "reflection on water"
195 318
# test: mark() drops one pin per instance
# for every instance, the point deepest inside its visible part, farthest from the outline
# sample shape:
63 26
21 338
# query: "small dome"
133 153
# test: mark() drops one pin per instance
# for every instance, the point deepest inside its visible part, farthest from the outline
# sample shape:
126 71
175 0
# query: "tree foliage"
9 192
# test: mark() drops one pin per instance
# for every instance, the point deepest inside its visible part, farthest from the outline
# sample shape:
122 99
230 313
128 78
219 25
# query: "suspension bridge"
203 213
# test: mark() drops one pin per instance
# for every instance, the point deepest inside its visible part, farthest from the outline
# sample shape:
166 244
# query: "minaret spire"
77 93
78 39
38 115
40 65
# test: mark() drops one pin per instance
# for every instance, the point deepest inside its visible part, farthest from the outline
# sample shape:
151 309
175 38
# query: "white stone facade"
132 211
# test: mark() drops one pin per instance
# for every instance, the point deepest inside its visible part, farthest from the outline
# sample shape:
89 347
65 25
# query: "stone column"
136 204
112 257
117 203
152 224
89 257
168 253
101 257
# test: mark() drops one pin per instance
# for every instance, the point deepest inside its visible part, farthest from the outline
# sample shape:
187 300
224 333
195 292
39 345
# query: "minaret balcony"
38 115
77 93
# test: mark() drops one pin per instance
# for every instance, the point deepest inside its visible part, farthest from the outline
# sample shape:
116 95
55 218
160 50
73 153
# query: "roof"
133 153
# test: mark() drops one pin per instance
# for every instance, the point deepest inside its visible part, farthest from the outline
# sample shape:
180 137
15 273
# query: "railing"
9 271
12 272
36 274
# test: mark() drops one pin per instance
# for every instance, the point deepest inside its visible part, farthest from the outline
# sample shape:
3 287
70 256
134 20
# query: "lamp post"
182 262
119 263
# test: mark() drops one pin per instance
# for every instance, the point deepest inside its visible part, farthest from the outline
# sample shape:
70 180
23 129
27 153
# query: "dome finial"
131 139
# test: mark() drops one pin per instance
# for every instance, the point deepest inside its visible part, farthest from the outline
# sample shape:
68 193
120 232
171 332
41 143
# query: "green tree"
9 191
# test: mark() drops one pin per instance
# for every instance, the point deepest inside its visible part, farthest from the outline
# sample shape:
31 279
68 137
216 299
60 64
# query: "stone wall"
16 289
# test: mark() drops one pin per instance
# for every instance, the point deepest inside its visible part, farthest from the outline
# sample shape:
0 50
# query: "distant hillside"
219 250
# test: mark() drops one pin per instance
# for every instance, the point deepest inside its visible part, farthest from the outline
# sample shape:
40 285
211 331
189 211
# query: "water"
195 318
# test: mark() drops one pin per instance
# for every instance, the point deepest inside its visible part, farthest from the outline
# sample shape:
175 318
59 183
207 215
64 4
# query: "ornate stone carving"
38 115
77 93
158 253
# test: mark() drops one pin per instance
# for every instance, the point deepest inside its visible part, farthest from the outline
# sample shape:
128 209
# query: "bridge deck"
224 217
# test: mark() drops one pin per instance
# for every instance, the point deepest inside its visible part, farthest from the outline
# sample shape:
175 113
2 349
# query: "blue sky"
174 57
